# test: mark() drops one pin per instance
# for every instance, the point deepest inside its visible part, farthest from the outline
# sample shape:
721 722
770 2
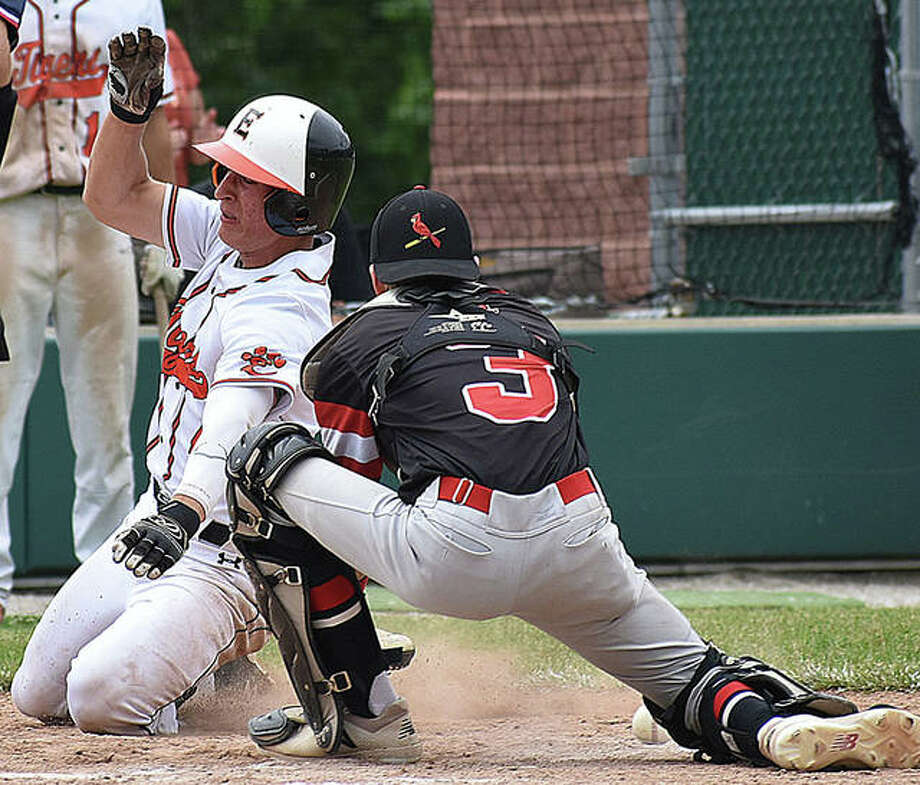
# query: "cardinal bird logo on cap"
423 232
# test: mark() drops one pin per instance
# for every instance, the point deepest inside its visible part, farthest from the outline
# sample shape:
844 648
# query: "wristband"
129 117
182 514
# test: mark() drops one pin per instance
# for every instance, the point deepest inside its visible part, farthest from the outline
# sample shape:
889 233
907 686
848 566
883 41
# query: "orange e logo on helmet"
242 127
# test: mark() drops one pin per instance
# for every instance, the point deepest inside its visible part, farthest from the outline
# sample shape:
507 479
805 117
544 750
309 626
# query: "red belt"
471 494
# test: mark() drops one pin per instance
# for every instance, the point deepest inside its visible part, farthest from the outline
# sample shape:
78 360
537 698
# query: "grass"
828 647
824 641
14 634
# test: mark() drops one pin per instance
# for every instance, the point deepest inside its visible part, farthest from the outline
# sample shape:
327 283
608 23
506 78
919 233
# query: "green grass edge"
827 642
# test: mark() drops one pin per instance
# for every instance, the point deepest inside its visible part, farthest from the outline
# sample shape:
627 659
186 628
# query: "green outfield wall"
715 439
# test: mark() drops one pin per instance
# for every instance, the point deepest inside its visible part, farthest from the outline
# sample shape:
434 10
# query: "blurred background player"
59 262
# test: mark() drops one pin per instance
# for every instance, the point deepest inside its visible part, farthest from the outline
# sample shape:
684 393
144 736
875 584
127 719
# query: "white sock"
382 694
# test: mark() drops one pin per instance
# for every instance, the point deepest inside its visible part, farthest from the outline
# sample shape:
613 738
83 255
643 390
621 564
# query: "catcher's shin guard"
328 644
692 722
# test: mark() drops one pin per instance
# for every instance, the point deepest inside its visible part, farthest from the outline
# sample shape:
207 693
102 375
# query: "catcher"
469 394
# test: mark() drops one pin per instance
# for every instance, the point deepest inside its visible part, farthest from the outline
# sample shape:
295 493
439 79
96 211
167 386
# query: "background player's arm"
8 36
6 65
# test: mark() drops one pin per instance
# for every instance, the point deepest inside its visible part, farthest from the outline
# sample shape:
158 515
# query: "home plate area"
475 724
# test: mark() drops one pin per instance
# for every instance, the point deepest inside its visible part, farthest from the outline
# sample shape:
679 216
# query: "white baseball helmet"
296 147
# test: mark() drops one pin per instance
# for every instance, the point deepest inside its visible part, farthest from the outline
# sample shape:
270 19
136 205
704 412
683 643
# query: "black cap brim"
395 272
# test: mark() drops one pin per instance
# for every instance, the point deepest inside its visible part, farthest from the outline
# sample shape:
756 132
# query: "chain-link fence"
686 156
705 156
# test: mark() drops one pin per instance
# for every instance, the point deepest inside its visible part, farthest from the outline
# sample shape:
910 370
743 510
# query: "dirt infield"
476 727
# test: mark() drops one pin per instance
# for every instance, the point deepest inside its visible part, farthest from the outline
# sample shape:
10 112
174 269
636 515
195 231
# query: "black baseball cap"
422 234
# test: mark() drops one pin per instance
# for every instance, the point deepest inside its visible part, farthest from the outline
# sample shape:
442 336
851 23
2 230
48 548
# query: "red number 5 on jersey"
494 402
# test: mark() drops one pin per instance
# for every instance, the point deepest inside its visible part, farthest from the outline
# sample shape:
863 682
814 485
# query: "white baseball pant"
60 261
113 651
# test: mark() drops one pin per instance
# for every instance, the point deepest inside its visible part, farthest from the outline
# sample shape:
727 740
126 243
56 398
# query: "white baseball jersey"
231 326
59 72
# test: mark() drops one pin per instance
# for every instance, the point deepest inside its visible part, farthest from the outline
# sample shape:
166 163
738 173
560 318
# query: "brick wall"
537 108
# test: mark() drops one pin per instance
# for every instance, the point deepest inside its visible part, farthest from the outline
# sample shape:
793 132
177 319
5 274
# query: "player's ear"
379 288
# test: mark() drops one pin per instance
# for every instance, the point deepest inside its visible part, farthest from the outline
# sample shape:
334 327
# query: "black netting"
717 156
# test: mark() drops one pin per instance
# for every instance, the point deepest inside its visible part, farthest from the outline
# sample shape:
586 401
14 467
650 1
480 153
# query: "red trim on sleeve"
304 277
8 16
332 593
195 292
372 469
170 225
172 440
231 290
344 419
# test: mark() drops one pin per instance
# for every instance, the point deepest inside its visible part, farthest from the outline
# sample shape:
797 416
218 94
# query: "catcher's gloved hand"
155 272
157 542
136 74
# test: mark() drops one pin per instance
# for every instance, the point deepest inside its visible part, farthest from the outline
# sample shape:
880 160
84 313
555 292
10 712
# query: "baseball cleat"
398 650
879 738
389 738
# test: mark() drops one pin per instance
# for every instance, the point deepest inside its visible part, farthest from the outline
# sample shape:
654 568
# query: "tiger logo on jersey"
180 358
262 361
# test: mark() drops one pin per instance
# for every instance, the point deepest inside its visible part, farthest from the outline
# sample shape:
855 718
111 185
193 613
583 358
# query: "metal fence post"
910 118
665 142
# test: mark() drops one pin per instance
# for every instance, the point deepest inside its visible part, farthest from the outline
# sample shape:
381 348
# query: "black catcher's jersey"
500 416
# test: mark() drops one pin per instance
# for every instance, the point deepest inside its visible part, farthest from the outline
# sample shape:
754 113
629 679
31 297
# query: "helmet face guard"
296 147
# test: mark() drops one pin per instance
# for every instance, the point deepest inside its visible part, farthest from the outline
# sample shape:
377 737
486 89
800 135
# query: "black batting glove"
157 542
136 66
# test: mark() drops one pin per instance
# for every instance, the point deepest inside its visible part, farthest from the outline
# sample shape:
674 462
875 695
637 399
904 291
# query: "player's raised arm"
119 190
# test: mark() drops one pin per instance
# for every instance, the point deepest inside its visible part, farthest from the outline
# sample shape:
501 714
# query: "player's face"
242 217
